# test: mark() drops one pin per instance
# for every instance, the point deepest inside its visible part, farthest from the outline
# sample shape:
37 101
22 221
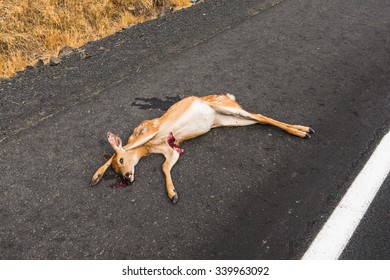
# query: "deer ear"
115 141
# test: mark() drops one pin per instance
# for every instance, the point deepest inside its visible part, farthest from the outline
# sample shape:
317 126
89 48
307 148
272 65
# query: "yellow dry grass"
38 29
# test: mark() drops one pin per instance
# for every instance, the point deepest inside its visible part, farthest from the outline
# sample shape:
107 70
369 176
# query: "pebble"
55 61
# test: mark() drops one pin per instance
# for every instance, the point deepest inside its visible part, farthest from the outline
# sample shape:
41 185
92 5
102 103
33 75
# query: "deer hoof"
174 198
307 136
311 131
93 181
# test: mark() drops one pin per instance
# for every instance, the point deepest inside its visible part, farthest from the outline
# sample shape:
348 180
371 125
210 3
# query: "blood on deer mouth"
171 142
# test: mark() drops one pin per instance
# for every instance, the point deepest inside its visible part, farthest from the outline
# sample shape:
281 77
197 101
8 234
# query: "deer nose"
129 177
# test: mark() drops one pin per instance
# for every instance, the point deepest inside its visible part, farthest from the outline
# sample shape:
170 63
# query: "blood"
120 184
171 142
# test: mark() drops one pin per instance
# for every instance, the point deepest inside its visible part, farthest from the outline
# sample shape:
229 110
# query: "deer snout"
129 177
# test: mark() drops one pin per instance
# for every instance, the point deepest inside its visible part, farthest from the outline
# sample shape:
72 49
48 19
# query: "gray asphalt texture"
244 193
371 240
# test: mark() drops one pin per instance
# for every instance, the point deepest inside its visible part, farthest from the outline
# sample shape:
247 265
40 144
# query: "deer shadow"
155 103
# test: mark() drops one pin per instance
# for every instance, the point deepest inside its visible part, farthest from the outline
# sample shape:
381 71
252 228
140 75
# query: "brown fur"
186 119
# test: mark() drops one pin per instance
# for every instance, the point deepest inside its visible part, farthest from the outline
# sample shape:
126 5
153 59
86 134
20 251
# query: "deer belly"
197 120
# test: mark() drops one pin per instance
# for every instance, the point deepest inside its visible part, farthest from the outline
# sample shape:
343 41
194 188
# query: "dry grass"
33 29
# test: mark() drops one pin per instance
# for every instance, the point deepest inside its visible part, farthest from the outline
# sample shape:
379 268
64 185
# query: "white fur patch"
231 96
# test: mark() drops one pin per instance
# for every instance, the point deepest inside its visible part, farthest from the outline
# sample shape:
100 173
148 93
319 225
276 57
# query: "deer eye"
121 160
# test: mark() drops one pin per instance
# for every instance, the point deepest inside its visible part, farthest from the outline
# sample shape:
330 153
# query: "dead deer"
187 119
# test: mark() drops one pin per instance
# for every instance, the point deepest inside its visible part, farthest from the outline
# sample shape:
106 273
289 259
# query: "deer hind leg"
171 157
231 120
243 117
297 130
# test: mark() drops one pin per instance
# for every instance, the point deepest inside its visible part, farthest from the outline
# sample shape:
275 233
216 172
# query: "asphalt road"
244 193
375 225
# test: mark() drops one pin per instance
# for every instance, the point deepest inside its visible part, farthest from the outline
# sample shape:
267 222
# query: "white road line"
335 234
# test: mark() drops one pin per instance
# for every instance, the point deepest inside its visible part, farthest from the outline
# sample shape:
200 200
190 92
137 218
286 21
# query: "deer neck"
140 152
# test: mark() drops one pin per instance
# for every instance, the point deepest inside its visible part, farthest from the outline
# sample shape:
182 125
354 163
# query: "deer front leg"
100 172
171 157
